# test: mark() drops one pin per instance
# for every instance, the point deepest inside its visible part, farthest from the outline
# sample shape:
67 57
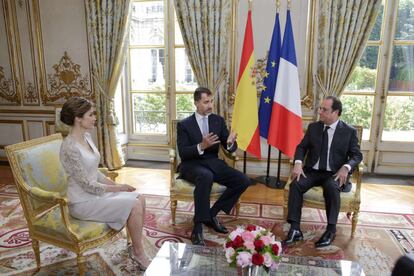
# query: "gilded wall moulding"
7 91
30 95
66 82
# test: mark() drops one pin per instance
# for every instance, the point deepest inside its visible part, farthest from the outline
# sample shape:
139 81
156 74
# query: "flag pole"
269 181
279 184
244 161
266 98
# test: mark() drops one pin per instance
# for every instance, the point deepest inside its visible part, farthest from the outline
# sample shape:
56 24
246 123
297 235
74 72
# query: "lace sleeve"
71 161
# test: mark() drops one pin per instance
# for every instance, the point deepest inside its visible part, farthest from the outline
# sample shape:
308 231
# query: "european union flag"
272 69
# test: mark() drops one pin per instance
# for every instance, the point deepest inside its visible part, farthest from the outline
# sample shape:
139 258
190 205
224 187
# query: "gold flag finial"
289 5
277 5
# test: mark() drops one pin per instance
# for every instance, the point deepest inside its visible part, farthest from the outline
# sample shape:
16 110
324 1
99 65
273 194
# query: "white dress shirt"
199 119
331 132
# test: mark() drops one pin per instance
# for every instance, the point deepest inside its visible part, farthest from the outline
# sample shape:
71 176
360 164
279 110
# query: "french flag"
285 130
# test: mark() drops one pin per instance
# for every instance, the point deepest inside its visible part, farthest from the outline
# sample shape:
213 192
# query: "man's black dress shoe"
293 236
197 238
326 239
216 225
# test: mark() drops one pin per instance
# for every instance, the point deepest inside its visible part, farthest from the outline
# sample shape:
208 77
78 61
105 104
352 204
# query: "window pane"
357 110
376 30
365 74
184 76
147 23
399 119
405 20
149 113
402 69
185 105
147 69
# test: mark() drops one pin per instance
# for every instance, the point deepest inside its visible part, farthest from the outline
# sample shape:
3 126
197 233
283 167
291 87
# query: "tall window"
358 97
399 108
161 81
363 93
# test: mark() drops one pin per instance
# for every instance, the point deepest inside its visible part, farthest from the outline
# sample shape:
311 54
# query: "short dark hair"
199 91
336 104
74 107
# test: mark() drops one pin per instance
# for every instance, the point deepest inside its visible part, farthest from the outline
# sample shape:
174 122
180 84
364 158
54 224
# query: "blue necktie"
204 126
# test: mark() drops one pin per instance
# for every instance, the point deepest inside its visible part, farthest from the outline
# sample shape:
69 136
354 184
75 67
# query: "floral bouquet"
253 245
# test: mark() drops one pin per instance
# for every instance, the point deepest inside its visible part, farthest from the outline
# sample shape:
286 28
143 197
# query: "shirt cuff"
298 161
230 146
200 151
348 167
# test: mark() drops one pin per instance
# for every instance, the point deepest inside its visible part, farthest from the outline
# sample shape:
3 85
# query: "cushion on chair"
52 224
184 187
46 172
316 194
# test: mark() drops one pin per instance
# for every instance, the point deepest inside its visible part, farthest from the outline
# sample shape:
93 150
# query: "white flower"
229 253
268 260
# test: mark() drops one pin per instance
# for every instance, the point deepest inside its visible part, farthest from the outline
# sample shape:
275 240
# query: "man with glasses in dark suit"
332 152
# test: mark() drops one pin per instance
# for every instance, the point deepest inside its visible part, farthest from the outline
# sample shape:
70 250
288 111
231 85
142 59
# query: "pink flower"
268 260
229 254
244 259
249 245
274 266
266 240
236 233
248 236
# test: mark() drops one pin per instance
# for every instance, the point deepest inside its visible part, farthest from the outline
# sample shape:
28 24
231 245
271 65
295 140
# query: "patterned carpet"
380 239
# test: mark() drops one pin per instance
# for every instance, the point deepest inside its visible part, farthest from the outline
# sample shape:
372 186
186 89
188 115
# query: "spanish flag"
245 120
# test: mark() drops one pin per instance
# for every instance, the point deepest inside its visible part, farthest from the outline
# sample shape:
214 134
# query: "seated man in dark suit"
198 139
332 152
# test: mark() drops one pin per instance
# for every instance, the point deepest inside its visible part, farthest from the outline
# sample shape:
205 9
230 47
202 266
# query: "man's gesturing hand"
297 171
209 140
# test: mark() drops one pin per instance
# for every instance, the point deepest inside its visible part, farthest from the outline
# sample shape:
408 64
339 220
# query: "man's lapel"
336 140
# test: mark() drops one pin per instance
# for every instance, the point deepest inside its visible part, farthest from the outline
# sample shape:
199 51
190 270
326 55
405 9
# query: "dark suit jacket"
189 135
344 148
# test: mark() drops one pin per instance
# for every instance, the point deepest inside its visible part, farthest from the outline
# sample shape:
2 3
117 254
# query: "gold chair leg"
81 264
354 223
173 209
35 245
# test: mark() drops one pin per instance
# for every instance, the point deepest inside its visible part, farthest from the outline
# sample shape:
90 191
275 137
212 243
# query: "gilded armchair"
182 190
41 184
350 201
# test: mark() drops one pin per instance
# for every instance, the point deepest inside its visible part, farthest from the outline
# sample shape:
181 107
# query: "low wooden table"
185 259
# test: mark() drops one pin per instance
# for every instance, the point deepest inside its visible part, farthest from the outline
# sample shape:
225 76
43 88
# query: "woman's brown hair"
74 107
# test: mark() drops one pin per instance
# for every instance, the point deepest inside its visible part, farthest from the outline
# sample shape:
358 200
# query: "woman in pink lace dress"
91 195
